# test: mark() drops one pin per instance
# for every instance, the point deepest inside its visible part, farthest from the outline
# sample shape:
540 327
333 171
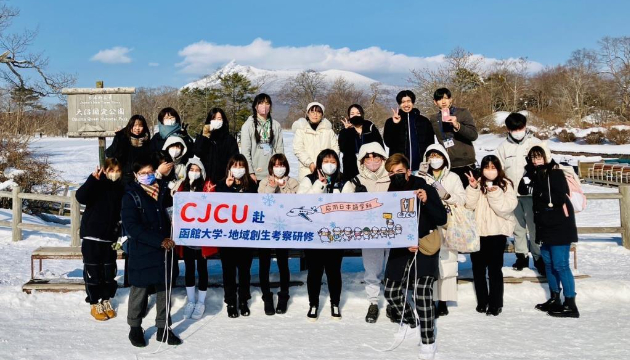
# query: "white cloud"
203 57
154 64
115 55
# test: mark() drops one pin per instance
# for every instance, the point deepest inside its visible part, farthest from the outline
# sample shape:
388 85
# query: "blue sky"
155 43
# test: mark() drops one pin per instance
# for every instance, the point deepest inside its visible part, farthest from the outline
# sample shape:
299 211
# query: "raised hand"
346 123
322 177
395 115
97 173
229 181
474 183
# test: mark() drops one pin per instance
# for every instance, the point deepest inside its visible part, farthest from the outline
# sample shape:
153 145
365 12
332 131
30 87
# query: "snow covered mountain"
271 81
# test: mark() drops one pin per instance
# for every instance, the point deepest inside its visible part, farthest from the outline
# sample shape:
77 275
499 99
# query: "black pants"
137 305
489 257
233 259
190 257
99 270
318 261
264 261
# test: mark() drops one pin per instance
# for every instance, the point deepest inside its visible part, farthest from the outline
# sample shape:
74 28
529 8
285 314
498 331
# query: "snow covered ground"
50 326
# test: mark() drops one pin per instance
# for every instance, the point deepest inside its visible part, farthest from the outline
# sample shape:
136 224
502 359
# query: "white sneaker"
188 310
200 308
427 351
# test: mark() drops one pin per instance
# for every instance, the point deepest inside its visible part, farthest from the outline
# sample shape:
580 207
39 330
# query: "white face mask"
174 152
329 168
193 175
169 122
215 124
237 172
436 163
518 135
279 171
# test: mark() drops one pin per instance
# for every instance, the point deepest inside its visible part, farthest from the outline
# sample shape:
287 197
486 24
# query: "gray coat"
258 155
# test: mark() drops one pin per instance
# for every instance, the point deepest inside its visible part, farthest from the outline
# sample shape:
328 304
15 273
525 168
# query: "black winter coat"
126 154
102 199
350 142
222 187
553 225
398 139
432 215
215 152
146 228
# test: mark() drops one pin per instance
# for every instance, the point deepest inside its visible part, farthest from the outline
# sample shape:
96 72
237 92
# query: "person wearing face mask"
177 150
513 154
326 179
278 182
130 143
493 198
147 224
261 137
372 178
237 180
195 181
401 265
554 216
452 193
102 195
169 124
313 134
357 132
455 130
215 145
408 132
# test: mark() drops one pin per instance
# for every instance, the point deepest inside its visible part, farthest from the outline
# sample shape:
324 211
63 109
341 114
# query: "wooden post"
101 139
624 209
75 219
17 214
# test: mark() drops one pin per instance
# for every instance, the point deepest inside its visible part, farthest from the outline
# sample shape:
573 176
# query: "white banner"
306 221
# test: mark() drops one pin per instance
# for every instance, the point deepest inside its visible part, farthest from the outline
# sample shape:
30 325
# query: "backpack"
576 194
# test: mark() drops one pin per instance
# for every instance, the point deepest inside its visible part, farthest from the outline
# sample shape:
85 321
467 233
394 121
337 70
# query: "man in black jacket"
148 227
407 132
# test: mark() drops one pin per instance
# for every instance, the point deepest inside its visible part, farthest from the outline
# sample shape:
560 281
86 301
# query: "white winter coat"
513 156
308 143
494 211
373 181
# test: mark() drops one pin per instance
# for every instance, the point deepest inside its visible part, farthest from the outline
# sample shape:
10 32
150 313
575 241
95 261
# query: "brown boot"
109 310
98 313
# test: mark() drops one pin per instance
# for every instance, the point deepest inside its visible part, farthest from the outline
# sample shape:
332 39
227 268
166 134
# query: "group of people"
519 189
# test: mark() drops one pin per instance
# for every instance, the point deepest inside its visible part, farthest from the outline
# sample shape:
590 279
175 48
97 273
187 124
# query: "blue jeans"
556 258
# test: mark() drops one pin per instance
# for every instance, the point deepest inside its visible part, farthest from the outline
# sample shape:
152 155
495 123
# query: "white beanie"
310 105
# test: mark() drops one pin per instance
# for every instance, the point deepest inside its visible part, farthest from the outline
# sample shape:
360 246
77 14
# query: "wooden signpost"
98 112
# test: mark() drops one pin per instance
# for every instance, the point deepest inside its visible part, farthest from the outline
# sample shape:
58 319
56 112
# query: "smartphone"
446 114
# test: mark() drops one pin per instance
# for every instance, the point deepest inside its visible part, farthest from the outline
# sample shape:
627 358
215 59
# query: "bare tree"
297 92
614 56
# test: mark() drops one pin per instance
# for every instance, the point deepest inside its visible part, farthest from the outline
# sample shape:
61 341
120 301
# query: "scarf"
168 130
264 129
138 141
152 190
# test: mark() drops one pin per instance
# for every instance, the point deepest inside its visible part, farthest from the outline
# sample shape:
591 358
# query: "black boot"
312 313
522 261
244 308
442 309
232 310
334 311
392 314
136 336
481 309
540 267
568 309
269 307
169 337
494 311
372 314
554 301
283 301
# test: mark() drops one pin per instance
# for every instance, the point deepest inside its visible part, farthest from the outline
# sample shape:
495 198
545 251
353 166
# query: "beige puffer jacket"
290 187
494 211
308 143
374 181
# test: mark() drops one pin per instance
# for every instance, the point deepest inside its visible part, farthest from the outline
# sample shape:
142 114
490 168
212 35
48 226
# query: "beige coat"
290 187
374 181
308 143
494 211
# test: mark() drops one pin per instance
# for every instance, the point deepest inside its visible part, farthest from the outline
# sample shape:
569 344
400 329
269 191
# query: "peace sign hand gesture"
474 183
229 181
97 173
396 116
346 123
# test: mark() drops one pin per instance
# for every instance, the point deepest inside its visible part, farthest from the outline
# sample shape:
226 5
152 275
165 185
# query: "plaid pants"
395 295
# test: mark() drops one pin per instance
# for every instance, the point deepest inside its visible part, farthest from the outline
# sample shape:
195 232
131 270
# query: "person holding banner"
493 198
452 193
325 179
261 137
278 181
148 227
372 178
195 181
417 264
215 145
237 180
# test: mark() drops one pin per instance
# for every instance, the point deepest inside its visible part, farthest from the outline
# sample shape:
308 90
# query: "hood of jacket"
438 148
196 161
175 140
302 123
381 174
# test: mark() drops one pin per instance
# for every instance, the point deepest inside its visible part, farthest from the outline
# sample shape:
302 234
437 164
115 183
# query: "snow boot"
553 302
169 337
482 309
232 311
540 267
372 314
283 301
494 311
334 311
244 308
98 312
522 261
568 310
312 313
442 309
109 310
270 309
136 336
427 351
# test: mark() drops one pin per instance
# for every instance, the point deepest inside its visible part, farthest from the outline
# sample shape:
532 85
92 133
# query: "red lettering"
242 219
207 217
183 213
216 213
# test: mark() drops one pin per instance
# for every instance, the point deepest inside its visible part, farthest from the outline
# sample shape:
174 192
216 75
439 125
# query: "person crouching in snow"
102 195
195 181
555 228
148 226
424 270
